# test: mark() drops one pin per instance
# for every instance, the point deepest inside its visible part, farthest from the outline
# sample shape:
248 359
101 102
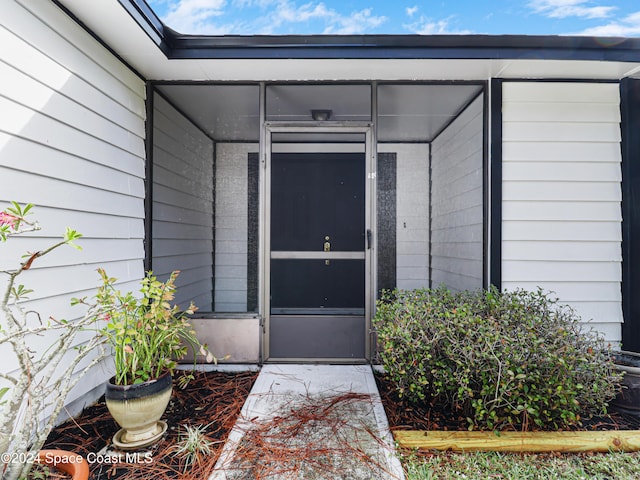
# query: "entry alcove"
209 201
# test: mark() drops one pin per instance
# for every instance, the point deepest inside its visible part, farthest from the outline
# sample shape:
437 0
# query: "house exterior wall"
457 202
71 142
183 202
412 215
231 229
561 213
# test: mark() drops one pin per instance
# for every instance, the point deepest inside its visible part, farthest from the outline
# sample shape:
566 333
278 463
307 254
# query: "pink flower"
8 219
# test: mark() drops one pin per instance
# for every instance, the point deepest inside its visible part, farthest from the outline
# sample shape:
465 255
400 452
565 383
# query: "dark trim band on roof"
150 23
542 47
466 47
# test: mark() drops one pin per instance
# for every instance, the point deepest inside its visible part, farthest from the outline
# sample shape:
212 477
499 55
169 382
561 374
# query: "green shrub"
513 360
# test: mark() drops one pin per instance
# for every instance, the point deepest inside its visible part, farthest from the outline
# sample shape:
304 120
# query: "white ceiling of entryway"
224 112
406 113
419 112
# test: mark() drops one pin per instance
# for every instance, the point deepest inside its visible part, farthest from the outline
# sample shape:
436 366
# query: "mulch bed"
215 399
408 416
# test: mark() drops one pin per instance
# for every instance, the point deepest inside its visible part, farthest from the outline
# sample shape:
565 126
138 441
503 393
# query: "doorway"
320 243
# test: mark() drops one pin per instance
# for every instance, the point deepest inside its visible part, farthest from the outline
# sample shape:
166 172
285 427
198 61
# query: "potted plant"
147 335
628 398
71 464
33 395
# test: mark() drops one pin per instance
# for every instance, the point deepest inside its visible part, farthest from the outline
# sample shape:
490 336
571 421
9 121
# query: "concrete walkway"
311 422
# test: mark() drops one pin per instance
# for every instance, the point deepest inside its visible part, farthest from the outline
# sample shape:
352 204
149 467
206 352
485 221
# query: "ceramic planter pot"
628 400
67 462
138 409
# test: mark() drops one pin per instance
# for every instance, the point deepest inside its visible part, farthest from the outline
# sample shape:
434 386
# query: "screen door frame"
368 148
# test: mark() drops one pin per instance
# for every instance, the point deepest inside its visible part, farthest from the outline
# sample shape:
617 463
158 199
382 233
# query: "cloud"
628 26
330 21
266 17
194 16
570 8
357 22
426 26
411 11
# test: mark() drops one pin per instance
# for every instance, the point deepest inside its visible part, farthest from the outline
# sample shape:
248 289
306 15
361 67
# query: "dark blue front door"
318 243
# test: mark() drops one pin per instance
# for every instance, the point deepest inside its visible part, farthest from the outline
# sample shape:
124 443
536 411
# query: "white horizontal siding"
561 251
570 191
531 271
573 292
550 210
557 151
561 94
412 213
524 110
559 171
66 43
72 142
581 132
561 196
182 204
231 179
599 231
457 202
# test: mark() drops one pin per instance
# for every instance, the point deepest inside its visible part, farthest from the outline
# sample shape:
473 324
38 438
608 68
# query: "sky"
426 17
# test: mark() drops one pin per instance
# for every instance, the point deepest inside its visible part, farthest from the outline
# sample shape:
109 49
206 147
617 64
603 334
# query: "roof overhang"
132 30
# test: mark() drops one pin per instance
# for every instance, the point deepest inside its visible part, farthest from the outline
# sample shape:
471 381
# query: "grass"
509 466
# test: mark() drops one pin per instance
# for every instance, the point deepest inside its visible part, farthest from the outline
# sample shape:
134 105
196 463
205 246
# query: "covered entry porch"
289 206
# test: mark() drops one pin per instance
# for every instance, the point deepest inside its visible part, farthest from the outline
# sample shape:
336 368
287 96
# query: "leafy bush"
513 360
147 334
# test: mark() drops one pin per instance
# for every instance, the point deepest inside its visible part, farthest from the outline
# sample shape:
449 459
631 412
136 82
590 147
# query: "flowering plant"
147 334
35 392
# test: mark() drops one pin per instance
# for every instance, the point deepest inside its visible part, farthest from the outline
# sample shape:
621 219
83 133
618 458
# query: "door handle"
327 248
327 245
368 239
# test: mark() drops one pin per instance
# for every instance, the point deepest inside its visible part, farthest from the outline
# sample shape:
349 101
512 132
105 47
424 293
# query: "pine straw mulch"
309 438
215 399
312 437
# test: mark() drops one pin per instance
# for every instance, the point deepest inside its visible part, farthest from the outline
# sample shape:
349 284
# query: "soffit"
109 20
406 113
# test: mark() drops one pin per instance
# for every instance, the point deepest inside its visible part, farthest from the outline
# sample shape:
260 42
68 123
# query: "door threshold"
319 361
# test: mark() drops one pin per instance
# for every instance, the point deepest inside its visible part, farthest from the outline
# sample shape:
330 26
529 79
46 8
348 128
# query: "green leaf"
76 301
20 292
4 232
2 393
70 235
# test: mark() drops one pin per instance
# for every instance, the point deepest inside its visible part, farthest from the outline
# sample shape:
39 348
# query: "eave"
132 30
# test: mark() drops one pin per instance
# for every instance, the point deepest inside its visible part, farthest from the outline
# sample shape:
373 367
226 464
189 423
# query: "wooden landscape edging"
533 442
